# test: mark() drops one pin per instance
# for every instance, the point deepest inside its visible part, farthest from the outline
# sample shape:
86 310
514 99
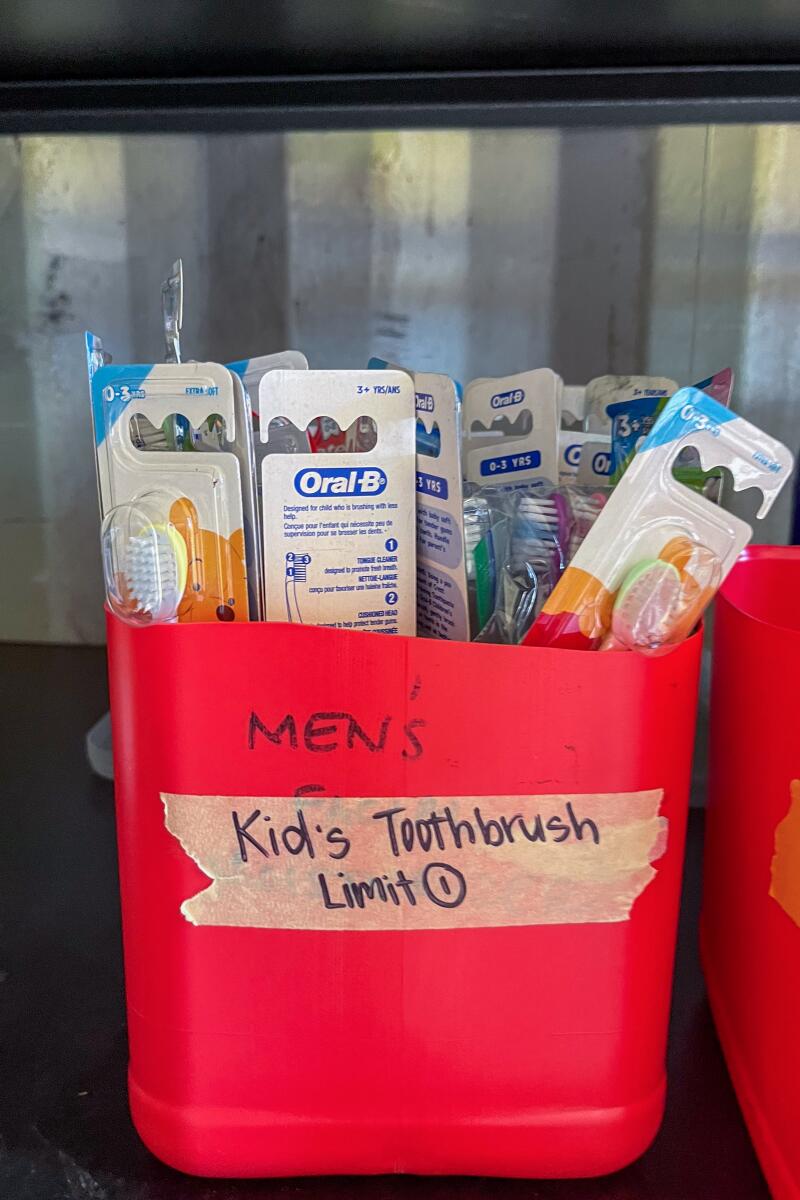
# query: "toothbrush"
547 532
660 600
647 598
540 533
479 562
145 565
586 508
477 523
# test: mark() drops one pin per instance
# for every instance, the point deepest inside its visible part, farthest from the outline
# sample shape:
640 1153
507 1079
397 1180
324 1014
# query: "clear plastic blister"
145 560
532 534
633 417
147 499
660 600
655 557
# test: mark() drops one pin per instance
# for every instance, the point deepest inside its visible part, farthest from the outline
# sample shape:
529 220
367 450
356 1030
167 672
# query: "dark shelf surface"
65 1133
275 64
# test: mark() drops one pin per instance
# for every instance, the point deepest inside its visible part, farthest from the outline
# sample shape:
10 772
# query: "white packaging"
512 460
211 439
243 447
573 404
339 529
251 371
583 457
199 496
442 603
442 598
247 374
655 529
611 389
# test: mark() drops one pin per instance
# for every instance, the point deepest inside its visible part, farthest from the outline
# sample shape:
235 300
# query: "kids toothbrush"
541 531
653 518
545 526
660 600
550 527
145 564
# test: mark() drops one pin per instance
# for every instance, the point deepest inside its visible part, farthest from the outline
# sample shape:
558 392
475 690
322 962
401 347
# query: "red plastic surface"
751 947
518 1051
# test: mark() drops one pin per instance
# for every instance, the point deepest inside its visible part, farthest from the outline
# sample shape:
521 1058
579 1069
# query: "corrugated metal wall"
672 250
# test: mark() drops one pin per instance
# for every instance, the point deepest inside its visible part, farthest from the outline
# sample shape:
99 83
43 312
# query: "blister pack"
173 523
535 532
606 390
442 596
659 550
632 418
340 529
511 428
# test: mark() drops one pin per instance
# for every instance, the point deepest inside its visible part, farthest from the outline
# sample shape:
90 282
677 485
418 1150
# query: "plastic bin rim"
184 629
755 554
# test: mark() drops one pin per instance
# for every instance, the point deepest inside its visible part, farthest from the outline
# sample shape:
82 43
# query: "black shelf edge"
633 96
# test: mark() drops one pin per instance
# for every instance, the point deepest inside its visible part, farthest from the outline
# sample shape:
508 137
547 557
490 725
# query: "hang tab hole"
177 433
503 426
323 436
429 443
744 504
283 438
714 485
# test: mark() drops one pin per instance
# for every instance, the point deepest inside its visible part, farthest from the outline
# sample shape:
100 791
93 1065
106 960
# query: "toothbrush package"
658 552
442 593
633 417
174 546
535 532
339 530
442 600
241 444
582 457
249 449
285 438
605 390
511 428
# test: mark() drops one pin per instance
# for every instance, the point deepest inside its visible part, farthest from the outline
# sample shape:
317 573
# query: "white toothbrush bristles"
535 538
151 574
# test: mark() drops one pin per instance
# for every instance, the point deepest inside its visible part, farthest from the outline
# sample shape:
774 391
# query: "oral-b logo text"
334 481
424 402
506 399
572 455
601 463
699 420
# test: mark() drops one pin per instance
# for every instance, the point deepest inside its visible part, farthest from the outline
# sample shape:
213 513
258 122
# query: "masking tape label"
321 862
785 867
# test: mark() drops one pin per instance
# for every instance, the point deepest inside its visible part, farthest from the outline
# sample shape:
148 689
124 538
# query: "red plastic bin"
751 896
460 1034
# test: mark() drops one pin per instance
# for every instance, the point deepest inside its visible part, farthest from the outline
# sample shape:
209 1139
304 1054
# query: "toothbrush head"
661 599
154 571
644 604
477 523
586 507
538 532
145 563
